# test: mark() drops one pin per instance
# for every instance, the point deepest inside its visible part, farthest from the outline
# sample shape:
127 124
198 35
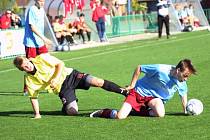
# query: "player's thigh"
124 111
157 107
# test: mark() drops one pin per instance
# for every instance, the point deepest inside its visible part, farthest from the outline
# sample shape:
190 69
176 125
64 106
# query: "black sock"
69 39
62 39
106 113
110 86
89 35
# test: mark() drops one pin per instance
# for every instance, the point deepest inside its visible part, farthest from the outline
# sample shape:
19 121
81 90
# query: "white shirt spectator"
163 6
184 13
190 12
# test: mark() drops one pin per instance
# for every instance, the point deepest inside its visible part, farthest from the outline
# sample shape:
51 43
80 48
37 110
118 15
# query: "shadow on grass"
43 113
176 114
11 93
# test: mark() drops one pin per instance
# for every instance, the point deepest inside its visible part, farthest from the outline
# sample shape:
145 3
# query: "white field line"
124 49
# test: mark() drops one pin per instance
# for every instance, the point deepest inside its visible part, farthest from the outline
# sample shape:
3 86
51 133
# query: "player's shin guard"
110 86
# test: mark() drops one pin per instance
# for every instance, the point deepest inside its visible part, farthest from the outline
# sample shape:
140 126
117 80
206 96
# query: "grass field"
116 63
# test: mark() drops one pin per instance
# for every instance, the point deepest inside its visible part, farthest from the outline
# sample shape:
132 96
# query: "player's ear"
178 70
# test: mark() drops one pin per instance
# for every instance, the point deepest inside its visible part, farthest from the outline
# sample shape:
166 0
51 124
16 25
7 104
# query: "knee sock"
59 40
62 39
69 39
110 86
89 35
106 113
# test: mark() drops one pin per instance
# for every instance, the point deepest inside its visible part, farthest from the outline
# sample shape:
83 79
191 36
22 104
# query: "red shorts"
33 52
137 101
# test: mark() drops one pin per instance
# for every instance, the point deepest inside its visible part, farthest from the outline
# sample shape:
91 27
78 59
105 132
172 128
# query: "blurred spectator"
178 12
163 16
71 28
61 32
115 20
82 28
184 15
122 7
5 20
57 28
15 20
190 12
98 16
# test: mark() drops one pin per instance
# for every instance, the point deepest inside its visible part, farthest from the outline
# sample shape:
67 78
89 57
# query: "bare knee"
120 116
94 81
72 108
99 82
161 114
71 111
157 106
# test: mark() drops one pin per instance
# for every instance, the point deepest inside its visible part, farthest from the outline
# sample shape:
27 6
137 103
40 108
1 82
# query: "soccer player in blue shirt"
34 39
149 94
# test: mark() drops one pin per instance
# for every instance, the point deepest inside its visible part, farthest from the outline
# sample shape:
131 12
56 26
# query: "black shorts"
76 80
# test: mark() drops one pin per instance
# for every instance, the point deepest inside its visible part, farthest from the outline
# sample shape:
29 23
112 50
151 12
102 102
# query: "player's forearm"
35 30
135 76
58 70
35 106
184 102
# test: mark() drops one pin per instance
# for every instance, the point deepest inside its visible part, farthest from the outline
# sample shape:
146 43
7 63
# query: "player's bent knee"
94 81
120 116
99 82
71 111
161 115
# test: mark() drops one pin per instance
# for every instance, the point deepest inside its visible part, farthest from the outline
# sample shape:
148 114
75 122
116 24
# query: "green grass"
116 63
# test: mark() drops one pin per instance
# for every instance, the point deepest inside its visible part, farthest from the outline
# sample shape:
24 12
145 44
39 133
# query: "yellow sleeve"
32 93
51 60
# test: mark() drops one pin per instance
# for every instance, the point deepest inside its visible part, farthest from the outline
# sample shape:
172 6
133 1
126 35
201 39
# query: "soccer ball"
59 48
194 107
65 48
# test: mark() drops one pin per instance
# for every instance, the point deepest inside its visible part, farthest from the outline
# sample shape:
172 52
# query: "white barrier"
11 43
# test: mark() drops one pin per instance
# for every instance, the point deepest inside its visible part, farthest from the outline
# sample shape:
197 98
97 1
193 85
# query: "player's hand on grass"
37 116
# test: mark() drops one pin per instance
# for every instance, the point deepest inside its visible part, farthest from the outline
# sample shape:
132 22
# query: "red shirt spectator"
98 10
5 20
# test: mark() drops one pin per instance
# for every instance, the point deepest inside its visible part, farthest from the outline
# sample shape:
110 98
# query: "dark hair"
186 63
57 17
82 15
18 61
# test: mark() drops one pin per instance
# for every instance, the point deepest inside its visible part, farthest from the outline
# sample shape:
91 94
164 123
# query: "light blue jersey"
157 82
34 17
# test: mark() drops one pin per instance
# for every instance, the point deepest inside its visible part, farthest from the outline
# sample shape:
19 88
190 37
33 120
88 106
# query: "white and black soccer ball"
65 48
59 48
194 107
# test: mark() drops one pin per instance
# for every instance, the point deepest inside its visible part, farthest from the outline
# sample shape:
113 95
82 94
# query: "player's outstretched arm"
184 103
135 77
35 106
45 39
58 72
